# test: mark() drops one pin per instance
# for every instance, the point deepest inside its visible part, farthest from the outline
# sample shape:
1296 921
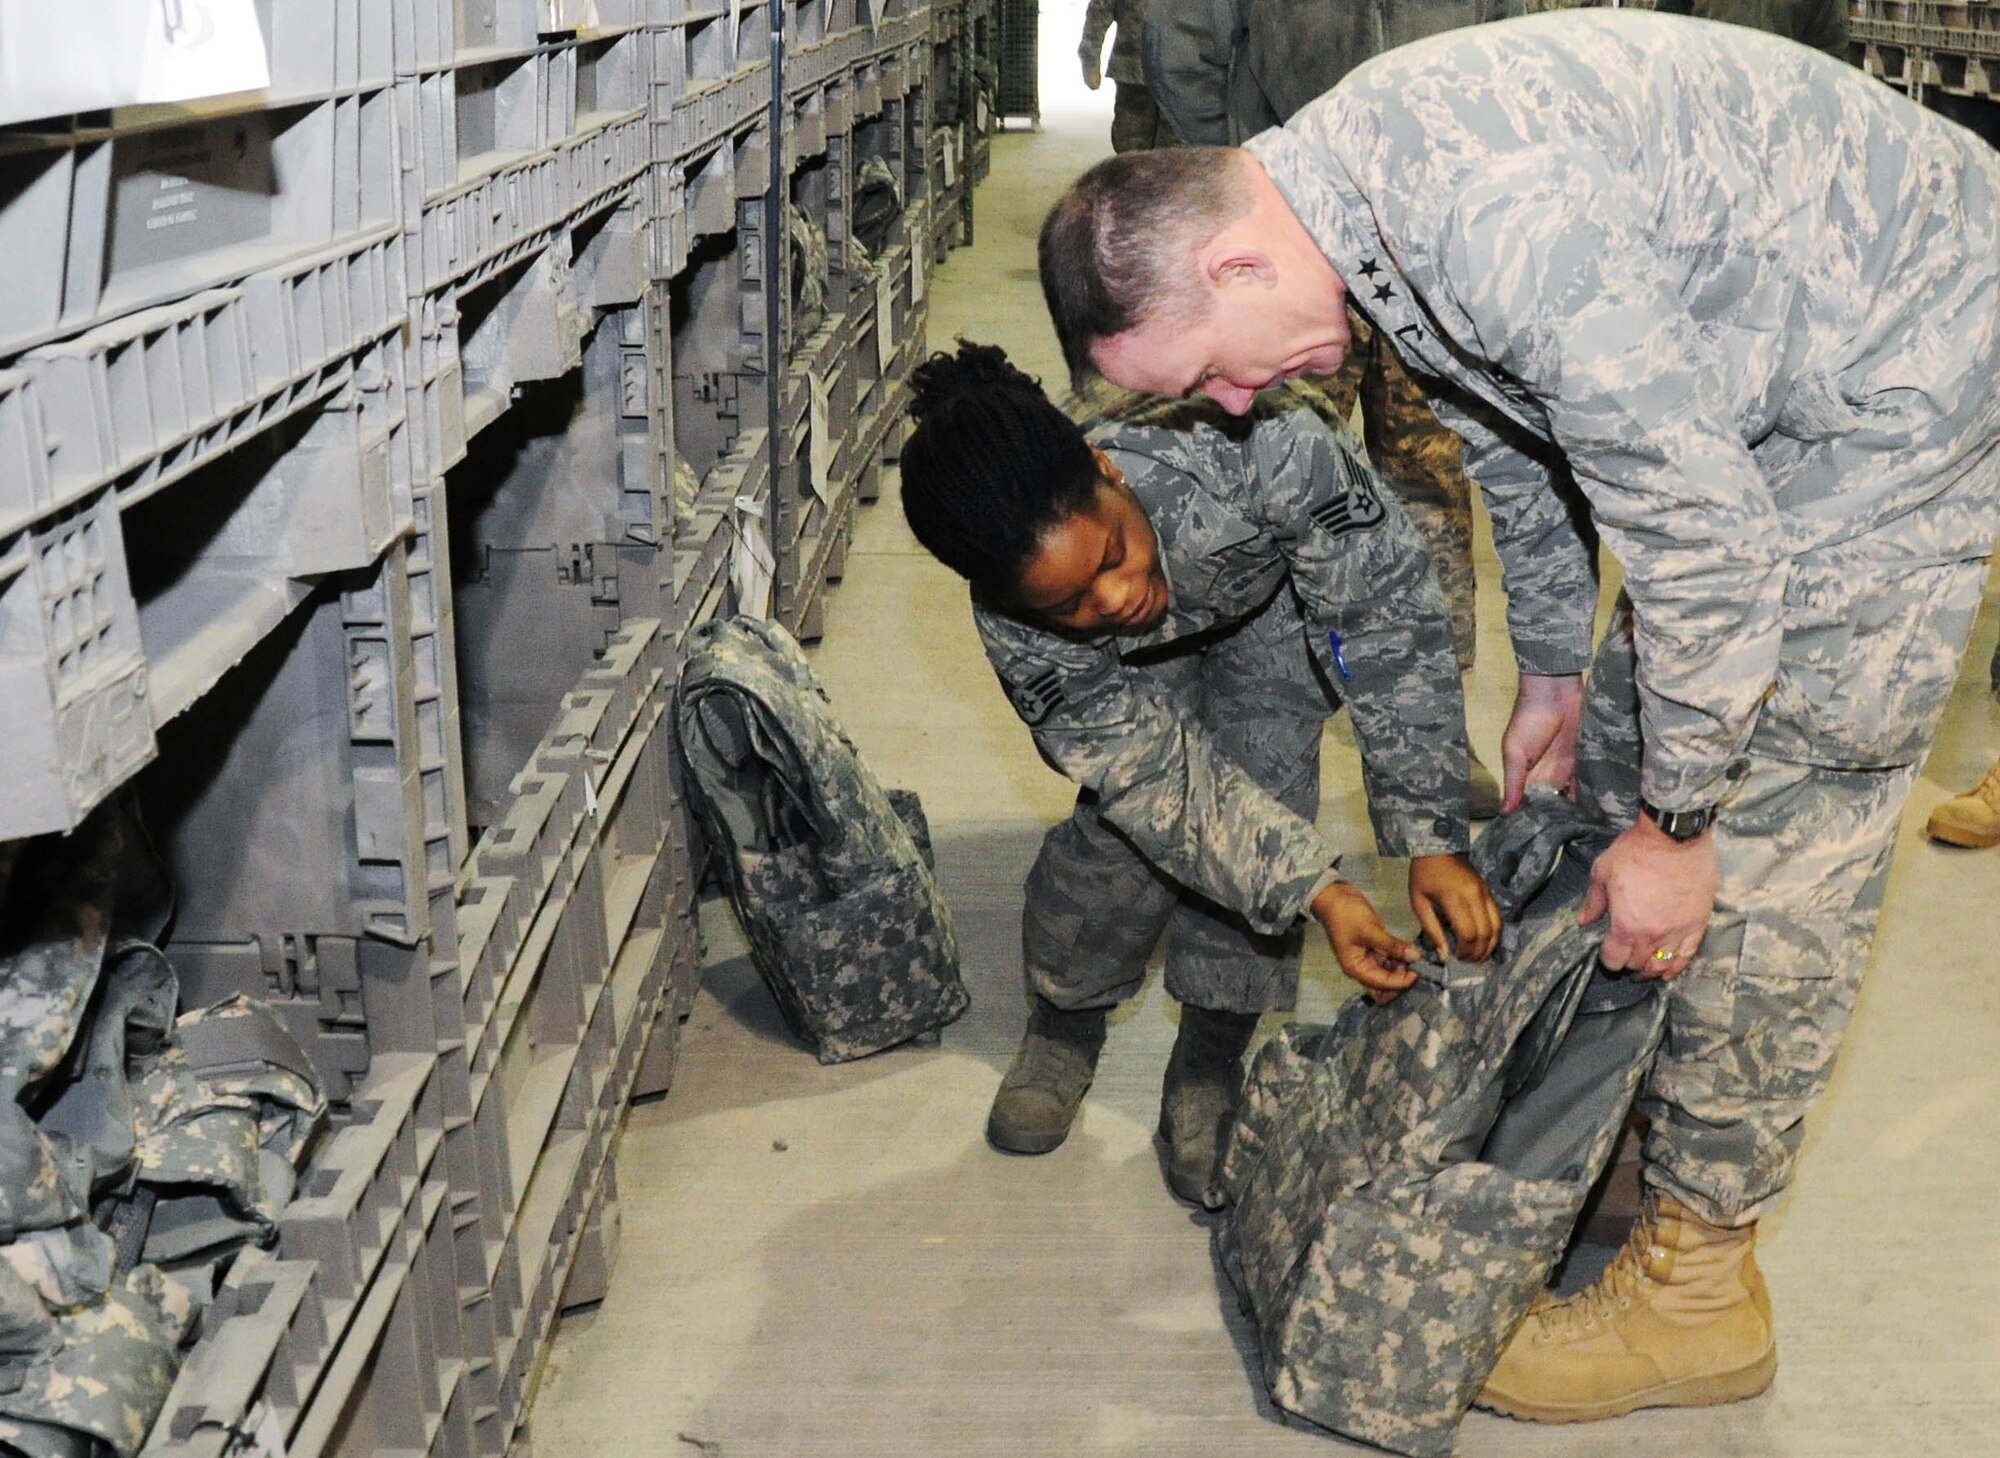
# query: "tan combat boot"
1972 819
1680 1319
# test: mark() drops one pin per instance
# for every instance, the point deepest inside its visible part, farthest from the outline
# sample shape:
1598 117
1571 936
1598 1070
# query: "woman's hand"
1367 950
1446 892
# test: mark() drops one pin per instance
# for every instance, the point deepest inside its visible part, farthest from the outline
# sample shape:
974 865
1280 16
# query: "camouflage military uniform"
1750 302
1136 123
1197 744
1223 70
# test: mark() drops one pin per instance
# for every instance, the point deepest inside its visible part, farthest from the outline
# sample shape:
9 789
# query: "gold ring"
1664 956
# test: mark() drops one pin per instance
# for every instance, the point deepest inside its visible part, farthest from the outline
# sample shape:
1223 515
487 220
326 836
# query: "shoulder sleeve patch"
1035 697
1357 508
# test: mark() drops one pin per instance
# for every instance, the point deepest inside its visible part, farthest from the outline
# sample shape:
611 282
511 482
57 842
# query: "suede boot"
1044 1087
1679 1319
1971 820
1198 1100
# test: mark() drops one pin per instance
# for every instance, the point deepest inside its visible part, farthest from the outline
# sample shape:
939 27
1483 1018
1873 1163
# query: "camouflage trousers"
1754 1023
1095 908
1136 123
1419 459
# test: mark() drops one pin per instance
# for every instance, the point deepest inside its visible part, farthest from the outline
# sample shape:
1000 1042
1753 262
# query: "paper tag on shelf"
735 28
950 158
885 314
819 443
985 117
752 567
919 233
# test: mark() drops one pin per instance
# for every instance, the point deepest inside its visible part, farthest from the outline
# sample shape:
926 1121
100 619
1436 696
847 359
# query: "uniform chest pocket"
1229 580
1868 663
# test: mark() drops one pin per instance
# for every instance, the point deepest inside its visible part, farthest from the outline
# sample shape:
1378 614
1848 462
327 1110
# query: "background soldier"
1749 302
1166 613
1135 120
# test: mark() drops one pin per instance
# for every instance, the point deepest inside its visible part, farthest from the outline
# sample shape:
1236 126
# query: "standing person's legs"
1092 912
1972 820
1682 1317
1263 705
1136 123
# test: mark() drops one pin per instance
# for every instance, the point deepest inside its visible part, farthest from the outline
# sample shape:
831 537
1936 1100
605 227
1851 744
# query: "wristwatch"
1680 825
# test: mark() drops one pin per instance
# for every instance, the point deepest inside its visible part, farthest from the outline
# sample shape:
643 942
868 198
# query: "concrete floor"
831 1261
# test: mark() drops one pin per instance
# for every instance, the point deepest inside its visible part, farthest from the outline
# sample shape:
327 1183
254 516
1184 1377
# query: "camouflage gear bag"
1403 1181
830 873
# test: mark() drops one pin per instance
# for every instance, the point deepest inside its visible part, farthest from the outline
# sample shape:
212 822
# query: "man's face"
1255 332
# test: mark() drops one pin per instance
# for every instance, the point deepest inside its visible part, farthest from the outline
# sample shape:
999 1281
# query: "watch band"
1679 825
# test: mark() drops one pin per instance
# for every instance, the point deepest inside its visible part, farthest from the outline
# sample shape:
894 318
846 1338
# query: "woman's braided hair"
991 466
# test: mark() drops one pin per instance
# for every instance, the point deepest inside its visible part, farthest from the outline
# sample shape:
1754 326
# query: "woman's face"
1098 570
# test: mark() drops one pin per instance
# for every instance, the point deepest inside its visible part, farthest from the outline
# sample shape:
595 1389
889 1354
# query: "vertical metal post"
776 277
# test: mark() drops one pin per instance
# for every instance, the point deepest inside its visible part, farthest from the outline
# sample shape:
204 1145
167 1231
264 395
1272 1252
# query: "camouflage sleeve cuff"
1552 656
1690 787
1431 834
1329 877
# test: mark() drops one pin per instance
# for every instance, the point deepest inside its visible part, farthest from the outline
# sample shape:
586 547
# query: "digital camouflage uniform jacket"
1241 510
1130 18
1747 297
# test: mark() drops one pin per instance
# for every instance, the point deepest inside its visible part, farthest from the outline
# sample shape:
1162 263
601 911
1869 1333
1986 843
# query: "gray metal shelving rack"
338 524
1944 54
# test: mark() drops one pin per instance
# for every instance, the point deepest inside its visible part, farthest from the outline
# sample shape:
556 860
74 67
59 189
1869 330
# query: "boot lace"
1599 1303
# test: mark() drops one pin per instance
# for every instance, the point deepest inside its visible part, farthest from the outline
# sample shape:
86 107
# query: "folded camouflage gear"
877 201
113 1119
223 1119
829 873
809 263
1403 1181
114 1362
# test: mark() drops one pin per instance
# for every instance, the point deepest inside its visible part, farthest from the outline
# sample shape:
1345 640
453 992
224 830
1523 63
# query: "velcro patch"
1034 698
1357 510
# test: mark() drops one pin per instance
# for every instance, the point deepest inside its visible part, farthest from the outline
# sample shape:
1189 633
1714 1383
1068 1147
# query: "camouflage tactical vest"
1403 1181
830 873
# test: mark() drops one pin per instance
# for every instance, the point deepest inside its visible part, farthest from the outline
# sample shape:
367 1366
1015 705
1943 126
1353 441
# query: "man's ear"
1231 260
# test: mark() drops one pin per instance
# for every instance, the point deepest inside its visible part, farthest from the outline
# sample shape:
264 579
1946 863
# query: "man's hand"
1539 747
1367 950
1660 893
1446 891
1093 76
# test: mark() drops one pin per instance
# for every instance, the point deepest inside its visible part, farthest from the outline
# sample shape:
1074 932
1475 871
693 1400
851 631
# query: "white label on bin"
819 442
752 568
885 314
985 117
950 158
917 266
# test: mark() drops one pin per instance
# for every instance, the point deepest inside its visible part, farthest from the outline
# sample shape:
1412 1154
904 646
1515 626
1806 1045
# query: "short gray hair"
1115 249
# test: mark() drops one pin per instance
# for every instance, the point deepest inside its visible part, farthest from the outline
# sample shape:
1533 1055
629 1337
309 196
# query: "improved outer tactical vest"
1403 1181
830 874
